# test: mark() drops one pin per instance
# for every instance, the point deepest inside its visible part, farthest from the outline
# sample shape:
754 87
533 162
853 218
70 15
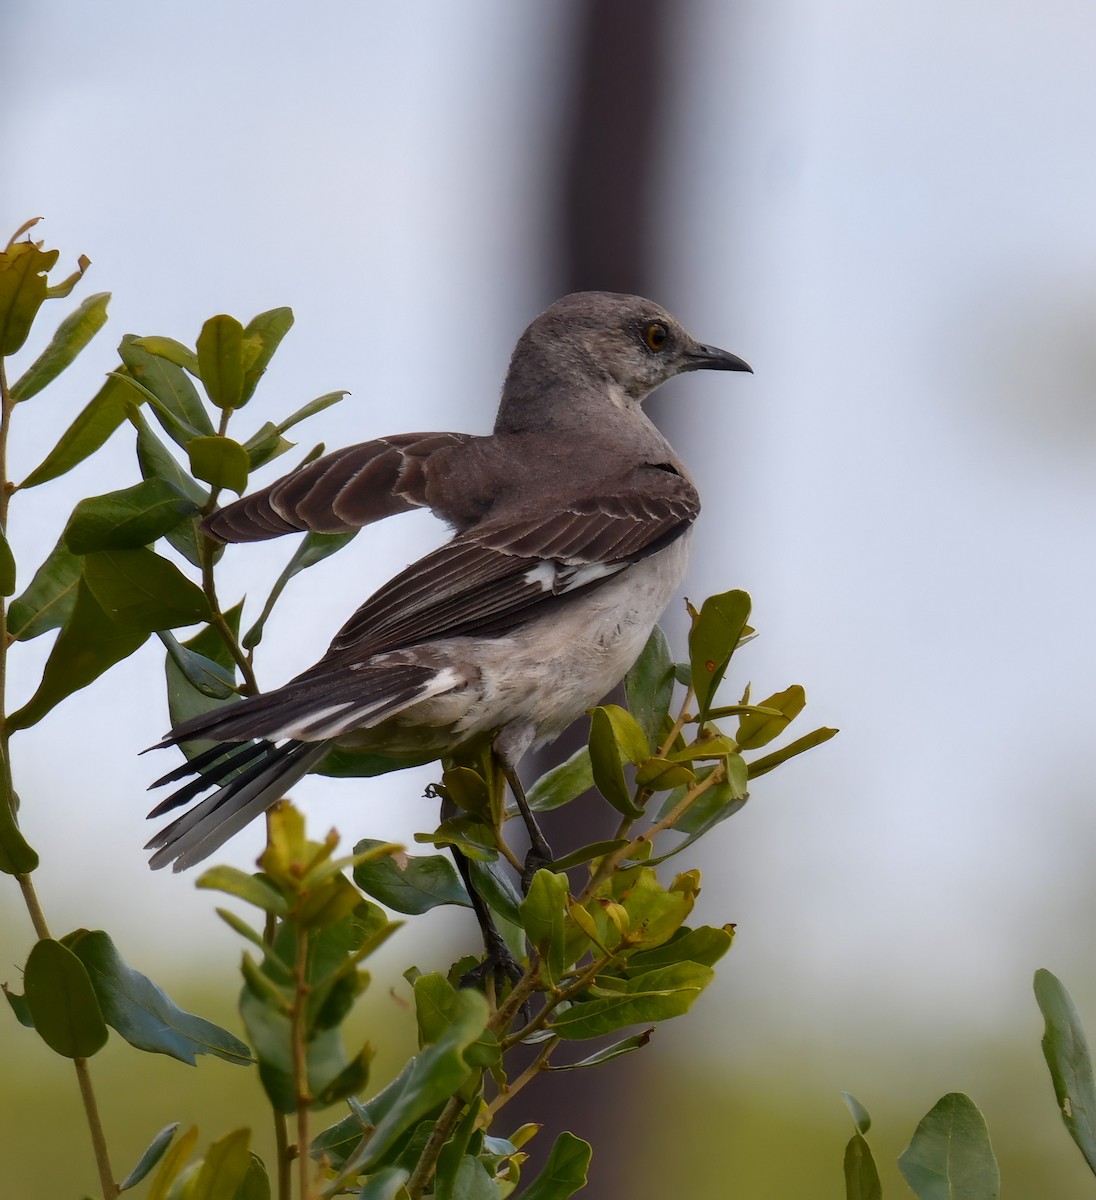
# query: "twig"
428 1160
300 1063
507 1093
26 884
95 1125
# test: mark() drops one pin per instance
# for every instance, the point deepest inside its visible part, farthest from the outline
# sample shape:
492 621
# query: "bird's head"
606 338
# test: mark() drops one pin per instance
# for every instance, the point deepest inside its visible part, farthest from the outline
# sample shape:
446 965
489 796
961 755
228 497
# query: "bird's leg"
498 961
540 853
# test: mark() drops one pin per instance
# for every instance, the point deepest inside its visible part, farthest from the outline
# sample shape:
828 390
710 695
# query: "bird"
570 528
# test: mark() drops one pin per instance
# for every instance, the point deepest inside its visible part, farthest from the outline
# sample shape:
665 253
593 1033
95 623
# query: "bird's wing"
487 579
339 492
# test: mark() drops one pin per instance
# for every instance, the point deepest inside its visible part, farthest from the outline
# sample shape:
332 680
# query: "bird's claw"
538 857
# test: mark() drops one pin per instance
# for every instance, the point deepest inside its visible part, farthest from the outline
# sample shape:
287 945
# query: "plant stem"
300 1063
26 884
428 1160
507 1093
95 1125
30 898
217 618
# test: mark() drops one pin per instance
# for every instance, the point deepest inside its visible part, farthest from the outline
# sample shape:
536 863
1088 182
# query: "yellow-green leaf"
72 335
221 360
219 461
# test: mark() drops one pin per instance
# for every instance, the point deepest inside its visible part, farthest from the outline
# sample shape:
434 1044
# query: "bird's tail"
257 774
251 766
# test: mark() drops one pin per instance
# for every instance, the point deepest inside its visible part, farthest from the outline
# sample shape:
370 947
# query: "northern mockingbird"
571 528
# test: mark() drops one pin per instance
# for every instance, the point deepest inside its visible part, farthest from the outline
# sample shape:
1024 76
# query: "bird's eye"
656 335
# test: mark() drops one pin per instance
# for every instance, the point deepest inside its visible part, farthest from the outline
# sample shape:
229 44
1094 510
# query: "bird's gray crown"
592 347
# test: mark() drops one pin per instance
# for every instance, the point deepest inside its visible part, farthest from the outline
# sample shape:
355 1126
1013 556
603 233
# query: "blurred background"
888 210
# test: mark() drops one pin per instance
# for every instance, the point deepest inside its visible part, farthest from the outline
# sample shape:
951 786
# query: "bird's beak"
711 358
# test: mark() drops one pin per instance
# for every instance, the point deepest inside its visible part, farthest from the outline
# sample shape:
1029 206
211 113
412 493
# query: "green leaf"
314 548
72 335
177 405
649 686
48 602
713 638
437 1007
428 1080
656 913
544 919
473 1181
452 1154
62 1001
18 1005
706 944
219 461
253 889
585 853
653 996
385 1185
472 838
151 1157
627 733
265 445
333 982
158 463
562 783
90 642
1065 1048
17 856
861 1177
268 443
175 352
224 1168
662 775
207 677
755 730
860 1115
605 753
340 763
23 288
761 766
221 361
142 592
171 1164
125 520
492 882
7 567
192 675
143 1013
719 802
617 1050
264 333
310 409
256 1184
407 883
950 1157
99 418
565 1171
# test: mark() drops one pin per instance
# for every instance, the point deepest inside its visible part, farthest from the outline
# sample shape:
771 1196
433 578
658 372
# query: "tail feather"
207 826
249 772
207 771
306 703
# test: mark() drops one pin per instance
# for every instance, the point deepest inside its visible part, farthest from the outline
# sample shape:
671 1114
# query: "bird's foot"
501 966
498 964
540 855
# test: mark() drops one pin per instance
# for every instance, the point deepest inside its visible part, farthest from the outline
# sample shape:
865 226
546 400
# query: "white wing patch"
560 578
